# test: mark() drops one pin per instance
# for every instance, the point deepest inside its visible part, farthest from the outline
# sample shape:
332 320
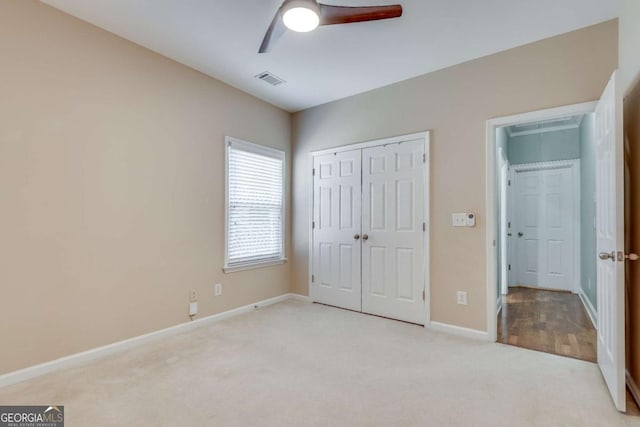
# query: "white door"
503 168
393 267
528 194
610 241
545 227
336 230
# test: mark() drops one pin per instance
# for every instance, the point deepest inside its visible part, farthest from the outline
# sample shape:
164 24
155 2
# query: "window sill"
253 265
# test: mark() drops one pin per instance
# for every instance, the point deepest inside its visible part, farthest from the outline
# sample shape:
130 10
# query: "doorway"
609 224
546 223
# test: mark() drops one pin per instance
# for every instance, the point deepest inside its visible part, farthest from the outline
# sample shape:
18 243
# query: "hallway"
549 321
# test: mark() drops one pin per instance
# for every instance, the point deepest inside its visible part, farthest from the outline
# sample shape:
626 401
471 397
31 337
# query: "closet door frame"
426 137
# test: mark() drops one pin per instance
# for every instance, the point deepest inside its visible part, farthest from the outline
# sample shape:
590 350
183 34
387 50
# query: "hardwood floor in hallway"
550 321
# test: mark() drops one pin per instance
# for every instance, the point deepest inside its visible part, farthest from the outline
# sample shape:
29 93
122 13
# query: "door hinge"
313 171
313 224
509 182
424 226
424 157
424 295
313 278
509 267
509 224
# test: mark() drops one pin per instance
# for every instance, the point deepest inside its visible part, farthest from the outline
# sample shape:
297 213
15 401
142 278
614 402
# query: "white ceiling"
221 38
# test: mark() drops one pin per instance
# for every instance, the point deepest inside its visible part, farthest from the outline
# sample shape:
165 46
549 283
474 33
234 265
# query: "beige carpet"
297 364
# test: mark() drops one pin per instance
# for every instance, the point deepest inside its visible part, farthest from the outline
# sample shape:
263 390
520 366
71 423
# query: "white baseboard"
298 297
591 311
98 352
633 388
459 330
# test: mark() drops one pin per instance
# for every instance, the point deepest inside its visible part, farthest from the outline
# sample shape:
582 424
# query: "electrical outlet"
193 308
462 297
193 295
217 289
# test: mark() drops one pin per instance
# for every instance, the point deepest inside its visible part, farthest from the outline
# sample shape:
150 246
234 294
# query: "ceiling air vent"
270 78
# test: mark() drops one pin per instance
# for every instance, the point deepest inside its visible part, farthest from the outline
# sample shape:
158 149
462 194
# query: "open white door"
610 240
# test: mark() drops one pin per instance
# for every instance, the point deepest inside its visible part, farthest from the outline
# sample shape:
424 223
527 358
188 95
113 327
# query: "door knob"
357 236
605 256
632 257
520 234
365 237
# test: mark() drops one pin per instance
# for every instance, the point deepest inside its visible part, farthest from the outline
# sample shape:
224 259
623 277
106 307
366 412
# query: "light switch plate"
461 298
459 219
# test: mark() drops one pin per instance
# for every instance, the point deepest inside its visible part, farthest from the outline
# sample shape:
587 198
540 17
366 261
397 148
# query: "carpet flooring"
302 364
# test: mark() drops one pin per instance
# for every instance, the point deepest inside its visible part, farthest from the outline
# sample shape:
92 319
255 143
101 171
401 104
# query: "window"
255 205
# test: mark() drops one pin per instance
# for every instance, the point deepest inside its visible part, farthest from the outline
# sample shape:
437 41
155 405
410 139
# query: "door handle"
357 236
509 234
365 237
605 256
520 234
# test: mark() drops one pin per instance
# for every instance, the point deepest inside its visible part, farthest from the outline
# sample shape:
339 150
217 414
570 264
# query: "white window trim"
265 151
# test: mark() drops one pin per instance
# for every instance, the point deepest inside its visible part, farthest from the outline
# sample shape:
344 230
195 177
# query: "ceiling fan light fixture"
301 16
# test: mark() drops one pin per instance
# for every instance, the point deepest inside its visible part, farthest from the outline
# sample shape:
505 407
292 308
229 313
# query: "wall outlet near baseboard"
193 308
217 289
461 297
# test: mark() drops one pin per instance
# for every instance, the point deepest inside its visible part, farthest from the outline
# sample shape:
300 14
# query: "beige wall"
454 104
629 40
112 187
629 69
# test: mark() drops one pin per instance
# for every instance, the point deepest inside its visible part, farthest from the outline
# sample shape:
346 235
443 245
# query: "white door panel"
544 223
337 217
528 191
393 215
610 241
503 168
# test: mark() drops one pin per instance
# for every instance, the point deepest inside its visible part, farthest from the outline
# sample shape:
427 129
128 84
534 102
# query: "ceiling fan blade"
330 15
274 32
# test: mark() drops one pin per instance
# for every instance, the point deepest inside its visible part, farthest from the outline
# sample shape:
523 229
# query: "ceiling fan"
305 15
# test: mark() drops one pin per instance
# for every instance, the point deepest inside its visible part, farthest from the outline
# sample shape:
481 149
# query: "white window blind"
255 204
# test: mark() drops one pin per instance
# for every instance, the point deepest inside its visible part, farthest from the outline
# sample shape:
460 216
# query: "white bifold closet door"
368 232
336 229
393 261
544 220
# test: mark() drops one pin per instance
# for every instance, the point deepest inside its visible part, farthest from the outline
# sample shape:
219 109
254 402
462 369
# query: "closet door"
393 240
544 223
336 230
